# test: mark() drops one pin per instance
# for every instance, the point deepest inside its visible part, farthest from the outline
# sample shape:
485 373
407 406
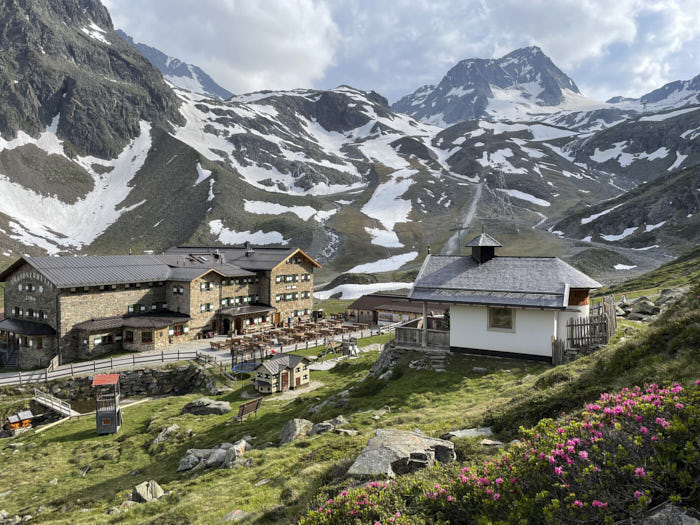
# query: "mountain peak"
523 81
179 73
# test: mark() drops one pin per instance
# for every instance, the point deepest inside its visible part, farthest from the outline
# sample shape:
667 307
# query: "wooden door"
285 381
298 381
277 318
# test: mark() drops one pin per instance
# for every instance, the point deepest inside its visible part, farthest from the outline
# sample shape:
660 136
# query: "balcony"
412 335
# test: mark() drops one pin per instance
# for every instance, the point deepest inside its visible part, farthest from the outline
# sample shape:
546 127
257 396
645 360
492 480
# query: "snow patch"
525 197
385 238
355 291
624 266
593 217
620 236
216 227
385 265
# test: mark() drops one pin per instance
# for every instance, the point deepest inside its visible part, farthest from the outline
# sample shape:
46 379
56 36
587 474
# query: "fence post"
94 365
19 374
71 370
133 359
162 358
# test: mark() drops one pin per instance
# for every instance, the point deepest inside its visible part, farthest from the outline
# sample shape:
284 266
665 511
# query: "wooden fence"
98 365
583 332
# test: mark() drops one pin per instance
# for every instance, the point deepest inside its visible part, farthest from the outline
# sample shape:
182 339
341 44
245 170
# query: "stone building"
84 307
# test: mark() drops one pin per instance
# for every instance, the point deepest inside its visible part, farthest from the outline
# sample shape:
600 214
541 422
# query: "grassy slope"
682 271
513 393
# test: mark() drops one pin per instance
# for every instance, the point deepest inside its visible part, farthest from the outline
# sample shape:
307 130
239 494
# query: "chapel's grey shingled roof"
542 282
484 239
282 362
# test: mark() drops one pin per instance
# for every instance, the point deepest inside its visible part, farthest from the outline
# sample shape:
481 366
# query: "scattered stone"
385 375
395 452
514 442
637 317
216 458
6 493
381 412
236 515
147 491
619 311
468 433
384 361
205 406
320 428
54 481
262 482
670 515
490 443
345 432
480 370
295 429
528 378
188 462
644 306
165 434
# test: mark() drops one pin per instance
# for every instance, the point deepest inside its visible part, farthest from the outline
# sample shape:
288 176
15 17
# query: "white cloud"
626 47
244 45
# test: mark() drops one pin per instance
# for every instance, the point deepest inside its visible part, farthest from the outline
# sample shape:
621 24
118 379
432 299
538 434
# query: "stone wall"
174 380
79 306
285 308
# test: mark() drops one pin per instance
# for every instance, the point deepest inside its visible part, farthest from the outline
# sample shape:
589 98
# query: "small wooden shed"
107 410
20 420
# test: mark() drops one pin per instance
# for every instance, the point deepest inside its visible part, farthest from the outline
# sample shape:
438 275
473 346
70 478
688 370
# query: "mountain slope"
663 212
181 74
76 76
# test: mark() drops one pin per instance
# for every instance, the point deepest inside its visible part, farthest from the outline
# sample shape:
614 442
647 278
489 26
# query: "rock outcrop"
396 452
147 491
205 406
224 456
294 429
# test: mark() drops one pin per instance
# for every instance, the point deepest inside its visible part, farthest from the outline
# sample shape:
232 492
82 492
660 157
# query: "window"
278 279
42 315
131 308
278 298
154 307
30 312
146 337
128 336
178 329
127 285
501 319
202 307
18 311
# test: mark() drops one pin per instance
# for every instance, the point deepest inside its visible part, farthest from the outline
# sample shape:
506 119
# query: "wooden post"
162 357
19 374
71 370
133 359
94 365
111 364
425 324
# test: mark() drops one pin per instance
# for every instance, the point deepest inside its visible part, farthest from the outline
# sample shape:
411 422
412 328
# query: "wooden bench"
250 407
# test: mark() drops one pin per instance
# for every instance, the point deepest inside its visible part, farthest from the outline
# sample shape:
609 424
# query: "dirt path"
452 244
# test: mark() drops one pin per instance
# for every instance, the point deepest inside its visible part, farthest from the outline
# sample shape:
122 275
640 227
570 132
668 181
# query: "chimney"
483 248
428 249
248 249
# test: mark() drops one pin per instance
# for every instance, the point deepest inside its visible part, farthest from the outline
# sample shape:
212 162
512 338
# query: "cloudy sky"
608 47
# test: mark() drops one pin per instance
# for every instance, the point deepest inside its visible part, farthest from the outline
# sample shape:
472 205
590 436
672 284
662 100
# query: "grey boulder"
396 452
295 429
468 433
205 406
188 463
165 434
644 306
670 515
147 491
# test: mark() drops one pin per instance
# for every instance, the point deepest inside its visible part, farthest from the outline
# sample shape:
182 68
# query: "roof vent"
248 249
483 247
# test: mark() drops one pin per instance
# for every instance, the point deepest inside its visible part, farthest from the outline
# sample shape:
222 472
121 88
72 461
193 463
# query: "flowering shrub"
615 459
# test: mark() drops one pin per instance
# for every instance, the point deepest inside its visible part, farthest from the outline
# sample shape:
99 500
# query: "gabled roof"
372 300
540 282
105 379
259 259
155 320
281 362
484 239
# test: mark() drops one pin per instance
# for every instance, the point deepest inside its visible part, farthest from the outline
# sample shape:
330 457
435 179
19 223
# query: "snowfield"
227 236
48 222
385 265
386 204
355 291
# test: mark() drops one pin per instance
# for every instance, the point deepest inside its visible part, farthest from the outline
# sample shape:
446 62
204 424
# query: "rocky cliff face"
524 79
183 75
63 65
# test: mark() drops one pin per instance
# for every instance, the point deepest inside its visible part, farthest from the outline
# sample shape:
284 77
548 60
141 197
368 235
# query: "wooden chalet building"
505 306
83 307
281 373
